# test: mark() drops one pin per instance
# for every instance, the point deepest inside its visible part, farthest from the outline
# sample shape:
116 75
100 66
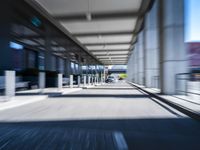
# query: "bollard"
101 80
71 81
95 80
42 81
9 83
89 83
92 80
84 81
60 81
79 81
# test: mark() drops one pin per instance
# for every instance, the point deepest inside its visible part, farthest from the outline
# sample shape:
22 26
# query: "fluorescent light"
16 46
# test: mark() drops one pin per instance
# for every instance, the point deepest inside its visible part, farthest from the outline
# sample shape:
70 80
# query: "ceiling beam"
114 58
100 44
99 55
111 50
96 16
103 34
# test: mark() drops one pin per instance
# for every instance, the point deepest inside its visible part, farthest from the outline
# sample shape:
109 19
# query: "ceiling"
106 28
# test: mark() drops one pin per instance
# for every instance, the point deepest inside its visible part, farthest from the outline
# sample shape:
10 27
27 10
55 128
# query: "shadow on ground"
139 134
102 95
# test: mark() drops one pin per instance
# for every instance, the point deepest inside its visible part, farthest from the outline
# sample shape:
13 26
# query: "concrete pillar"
152 47
141 58
173 57
135 64
9 83
79 81
84 80
42 80
130 69
60 81
71 81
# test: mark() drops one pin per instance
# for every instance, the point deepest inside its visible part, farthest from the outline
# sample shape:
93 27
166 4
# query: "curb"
188 112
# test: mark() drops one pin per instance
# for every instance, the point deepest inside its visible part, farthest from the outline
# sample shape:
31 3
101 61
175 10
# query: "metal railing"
188 83
155 82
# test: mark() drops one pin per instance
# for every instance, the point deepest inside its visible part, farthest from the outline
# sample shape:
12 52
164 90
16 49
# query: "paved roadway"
110 117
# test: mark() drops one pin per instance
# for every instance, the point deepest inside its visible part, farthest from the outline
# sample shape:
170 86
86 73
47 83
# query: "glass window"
72 65
31 59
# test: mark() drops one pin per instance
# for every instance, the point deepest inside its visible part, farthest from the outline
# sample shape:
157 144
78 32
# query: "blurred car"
111 79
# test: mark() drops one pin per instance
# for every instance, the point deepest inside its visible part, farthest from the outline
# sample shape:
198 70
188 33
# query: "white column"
89 82
79 81
42 80
174 53
71 81
84 81
152 47
60 81
141 58
10 83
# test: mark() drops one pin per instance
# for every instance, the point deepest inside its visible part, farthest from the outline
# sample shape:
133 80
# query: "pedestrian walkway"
188 102
108 117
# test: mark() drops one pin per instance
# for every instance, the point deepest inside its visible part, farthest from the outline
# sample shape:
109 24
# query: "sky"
192 20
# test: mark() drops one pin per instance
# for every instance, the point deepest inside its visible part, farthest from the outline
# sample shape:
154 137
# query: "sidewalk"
8 103
181 101
32 96
49 91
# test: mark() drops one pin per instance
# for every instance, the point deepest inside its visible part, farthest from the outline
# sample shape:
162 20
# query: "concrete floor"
90 119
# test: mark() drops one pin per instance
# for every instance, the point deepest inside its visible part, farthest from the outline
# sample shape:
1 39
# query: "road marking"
120 141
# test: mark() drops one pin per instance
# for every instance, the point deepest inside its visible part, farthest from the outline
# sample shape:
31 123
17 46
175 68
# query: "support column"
135 64
152 47
130 69
141 58
9 83
173 58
